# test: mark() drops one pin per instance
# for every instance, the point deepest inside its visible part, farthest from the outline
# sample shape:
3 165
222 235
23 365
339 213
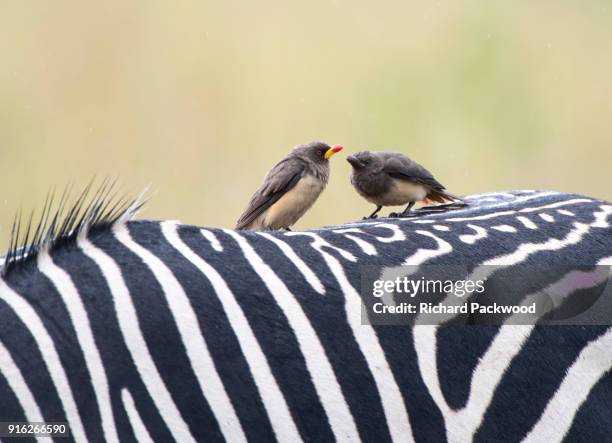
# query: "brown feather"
441 196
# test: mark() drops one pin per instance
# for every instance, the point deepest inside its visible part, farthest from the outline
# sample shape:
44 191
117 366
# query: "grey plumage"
289 189
391 178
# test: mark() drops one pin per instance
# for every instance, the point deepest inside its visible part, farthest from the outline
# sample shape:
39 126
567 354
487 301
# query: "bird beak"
354 161
331 151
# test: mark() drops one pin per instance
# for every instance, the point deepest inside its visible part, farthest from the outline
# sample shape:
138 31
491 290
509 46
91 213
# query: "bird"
289 189
392 179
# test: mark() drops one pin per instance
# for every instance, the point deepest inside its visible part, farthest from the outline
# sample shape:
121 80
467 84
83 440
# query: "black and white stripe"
158 331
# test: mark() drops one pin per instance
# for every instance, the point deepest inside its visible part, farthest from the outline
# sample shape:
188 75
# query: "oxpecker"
289 189
391 179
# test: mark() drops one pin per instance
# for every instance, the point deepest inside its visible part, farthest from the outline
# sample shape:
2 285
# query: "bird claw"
370 217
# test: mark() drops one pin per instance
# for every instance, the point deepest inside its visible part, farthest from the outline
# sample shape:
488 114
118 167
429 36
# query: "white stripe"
526 222
526 249
18 385
315 357
366 248
480 217
594 361
135 342
397 233
80 321
504 228
547 217
501 204
310 276
272 397
601 217
441 228
485 378
139 428
48 351
470 239
467 209
365 336
186 321
422 255
514 202
557 204
425 345
461 424
605 261
212 238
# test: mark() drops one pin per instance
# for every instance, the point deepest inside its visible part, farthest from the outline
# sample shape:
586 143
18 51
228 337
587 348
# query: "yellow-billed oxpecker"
289 189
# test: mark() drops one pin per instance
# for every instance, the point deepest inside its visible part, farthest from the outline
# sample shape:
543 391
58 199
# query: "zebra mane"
63 222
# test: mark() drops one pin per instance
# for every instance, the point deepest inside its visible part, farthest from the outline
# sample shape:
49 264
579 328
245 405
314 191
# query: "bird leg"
405 213
373 214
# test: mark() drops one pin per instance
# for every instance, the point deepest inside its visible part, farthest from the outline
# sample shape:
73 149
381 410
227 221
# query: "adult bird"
289 189
392 179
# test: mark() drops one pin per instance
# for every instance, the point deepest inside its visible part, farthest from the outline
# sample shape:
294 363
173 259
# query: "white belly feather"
292 205
400 193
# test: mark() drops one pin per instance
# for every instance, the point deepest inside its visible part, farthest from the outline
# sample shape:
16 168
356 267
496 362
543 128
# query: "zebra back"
142 330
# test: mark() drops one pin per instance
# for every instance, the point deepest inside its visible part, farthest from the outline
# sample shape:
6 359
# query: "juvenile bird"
289 189
391 179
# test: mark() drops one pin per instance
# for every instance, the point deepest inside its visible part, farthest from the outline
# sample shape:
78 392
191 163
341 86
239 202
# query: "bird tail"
442 196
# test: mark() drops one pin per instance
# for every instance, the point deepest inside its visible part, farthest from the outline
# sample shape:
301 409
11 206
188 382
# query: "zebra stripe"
29 317
308 274
19 386
266 332
592 364
65 287
134 340
274 402
201 361
139 428
323 376
392 400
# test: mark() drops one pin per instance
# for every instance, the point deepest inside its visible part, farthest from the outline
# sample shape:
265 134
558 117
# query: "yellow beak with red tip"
331 151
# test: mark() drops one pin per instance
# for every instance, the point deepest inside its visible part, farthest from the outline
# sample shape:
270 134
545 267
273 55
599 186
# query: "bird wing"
403 168
280 179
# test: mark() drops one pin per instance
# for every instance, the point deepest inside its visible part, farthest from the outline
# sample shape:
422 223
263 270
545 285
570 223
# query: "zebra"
137 330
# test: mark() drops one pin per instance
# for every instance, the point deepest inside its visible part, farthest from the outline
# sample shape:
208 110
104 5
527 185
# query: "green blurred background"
200 98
